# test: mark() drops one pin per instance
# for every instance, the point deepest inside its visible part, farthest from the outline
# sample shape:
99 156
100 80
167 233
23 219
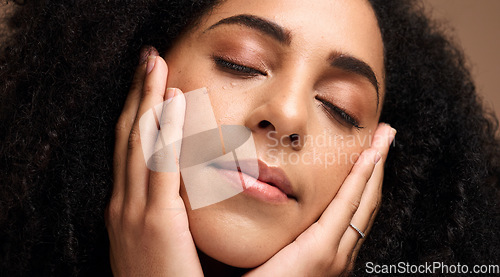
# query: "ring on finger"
357 230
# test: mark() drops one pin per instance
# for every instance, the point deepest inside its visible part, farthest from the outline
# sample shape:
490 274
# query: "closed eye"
236 68
339 114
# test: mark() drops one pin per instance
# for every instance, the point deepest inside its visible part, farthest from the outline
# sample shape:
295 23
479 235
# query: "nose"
282 112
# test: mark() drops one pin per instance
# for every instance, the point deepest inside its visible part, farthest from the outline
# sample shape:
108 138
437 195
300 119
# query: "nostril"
294 137
264 124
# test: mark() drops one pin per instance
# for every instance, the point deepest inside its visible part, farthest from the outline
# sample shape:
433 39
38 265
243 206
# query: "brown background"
474 24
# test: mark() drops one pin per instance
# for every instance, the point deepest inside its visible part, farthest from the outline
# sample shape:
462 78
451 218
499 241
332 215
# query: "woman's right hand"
146 218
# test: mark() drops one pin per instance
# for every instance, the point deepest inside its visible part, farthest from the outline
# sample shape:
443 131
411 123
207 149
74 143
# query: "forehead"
320 26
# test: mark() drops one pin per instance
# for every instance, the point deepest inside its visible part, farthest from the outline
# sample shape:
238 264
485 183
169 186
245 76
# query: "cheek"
185 77
328 168
194 74
187 70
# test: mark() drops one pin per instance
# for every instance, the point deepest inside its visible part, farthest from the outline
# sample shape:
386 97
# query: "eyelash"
251 72
334 111
237 68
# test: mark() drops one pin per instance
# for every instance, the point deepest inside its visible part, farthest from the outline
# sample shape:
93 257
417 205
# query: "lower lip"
255 188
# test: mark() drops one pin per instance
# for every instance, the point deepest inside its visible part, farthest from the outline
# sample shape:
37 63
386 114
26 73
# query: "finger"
164 182
124 125
339 212
365 215
322 238
153 92
372 195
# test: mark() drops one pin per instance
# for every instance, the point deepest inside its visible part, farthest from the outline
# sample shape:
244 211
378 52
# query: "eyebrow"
351 64
342 61
260 24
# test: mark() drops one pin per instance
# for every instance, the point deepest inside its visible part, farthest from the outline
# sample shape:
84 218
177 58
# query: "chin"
228 244
245 232
238 256
236 238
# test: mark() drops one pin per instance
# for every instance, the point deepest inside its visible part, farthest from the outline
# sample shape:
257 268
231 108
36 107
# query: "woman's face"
282 67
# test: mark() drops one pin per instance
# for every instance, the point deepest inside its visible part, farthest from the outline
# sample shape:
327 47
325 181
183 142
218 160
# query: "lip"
271 185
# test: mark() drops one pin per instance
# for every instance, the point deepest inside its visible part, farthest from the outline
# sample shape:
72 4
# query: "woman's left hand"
329 246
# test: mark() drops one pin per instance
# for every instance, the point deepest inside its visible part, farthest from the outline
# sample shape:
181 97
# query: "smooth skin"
147 220
273 67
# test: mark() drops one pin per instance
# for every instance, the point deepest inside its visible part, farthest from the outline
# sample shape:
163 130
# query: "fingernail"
392 135
151 64
170 93
378 156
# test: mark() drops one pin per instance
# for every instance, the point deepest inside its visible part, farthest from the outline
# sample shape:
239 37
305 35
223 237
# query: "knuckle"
128 217
147 88
150 89
122 126
373 206
151 225
113 212
134 138
376 204
353 205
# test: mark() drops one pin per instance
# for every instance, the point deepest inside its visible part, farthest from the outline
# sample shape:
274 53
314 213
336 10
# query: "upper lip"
272 175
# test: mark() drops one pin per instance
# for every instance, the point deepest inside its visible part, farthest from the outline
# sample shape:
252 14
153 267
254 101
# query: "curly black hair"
65 70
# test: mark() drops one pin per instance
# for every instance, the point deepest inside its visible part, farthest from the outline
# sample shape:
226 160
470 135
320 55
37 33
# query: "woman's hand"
146 218
147 221
330 246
